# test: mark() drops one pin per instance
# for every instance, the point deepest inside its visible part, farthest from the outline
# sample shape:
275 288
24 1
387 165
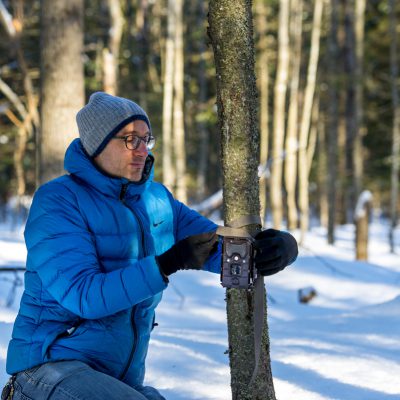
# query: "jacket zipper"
135 339
132 317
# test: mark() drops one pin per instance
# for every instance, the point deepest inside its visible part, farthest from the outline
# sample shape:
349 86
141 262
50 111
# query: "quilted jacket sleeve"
61 250
189 222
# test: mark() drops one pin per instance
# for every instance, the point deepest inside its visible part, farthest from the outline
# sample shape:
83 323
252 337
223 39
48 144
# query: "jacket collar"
79 164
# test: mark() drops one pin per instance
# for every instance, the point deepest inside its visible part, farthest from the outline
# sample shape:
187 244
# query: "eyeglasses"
132 142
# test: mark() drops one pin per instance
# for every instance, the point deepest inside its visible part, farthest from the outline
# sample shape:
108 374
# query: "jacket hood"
79 164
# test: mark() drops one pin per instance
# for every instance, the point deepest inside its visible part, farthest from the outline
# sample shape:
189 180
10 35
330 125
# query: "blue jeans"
75 380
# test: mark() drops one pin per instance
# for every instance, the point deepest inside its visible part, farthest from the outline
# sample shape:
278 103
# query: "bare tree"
142 49
292 137
322 172
350 195
263 82
279 113
202 98
231 33
332 131
178 105
358 149
168 169
27 122
394 75
62 80
361 219
306 117
111 53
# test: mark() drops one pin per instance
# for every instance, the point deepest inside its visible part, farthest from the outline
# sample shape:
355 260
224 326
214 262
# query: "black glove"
189 253
274 251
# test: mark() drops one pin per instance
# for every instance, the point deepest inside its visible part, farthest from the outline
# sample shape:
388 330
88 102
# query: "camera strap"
233 229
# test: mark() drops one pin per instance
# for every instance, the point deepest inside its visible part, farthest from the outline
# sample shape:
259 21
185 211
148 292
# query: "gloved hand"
189 253
274 251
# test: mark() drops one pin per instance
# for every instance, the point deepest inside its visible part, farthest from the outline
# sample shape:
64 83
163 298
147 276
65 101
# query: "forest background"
328 94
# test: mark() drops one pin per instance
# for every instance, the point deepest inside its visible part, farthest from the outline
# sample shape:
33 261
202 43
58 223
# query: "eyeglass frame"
146 139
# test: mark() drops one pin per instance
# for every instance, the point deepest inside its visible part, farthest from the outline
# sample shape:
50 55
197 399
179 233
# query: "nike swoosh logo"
155 224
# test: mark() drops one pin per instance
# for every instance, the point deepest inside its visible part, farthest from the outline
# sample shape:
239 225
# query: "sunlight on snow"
351 370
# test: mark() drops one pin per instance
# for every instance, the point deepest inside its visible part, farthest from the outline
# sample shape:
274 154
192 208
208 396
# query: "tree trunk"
358 153
231 33
350 194
322 173
167 151
342 198
178 105
157 38
292 136
279 114
394 75
142 39
202 99
263 81
361 219
315 128
333 116
111 54
306 118
62 80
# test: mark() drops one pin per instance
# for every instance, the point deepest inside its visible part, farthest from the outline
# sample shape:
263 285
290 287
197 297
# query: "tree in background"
204 137
263 82
62 85
231 34
332 118
358 150
111 52
394 76
178 107
167 159
304 143
27 118
143 69
281 82
292 132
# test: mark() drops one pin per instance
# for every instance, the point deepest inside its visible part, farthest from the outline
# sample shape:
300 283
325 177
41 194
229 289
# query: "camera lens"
236 269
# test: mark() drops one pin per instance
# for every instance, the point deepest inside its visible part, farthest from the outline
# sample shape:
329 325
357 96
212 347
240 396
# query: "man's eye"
130 139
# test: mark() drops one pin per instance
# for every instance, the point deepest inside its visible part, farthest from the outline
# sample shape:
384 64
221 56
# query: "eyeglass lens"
133 142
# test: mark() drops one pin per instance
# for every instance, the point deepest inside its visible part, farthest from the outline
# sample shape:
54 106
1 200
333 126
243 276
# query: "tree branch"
13 97
7 20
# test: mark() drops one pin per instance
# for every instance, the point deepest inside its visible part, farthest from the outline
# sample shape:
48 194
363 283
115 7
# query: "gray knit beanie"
103 117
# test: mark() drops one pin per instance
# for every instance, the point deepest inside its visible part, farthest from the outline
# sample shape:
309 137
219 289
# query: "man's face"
118 161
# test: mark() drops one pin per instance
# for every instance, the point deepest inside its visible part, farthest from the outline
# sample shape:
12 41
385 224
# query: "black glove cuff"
167 262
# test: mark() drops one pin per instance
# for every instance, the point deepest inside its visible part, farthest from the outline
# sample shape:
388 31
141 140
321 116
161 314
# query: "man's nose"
142 149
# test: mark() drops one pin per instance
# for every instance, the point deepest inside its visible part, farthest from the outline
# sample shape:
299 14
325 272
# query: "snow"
344 344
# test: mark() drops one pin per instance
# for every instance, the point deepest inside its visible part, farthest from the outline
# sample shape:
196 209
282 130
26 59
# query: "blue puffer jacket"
92 282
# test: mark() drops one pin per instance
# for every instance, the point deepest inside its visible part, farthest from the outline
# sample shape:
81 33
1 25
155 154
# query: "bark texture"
62 80
231 35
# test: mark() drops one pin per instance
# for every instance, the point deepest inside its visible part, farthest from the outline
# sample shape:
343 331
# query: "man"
101 243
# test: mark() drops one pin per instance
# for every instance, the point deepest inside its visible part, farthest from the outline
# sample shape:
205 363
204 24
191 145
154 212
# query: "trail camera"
238 270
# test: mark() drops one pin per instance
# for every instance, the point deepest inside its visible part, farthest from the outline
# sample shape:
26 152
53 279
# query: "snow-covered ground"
344 344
